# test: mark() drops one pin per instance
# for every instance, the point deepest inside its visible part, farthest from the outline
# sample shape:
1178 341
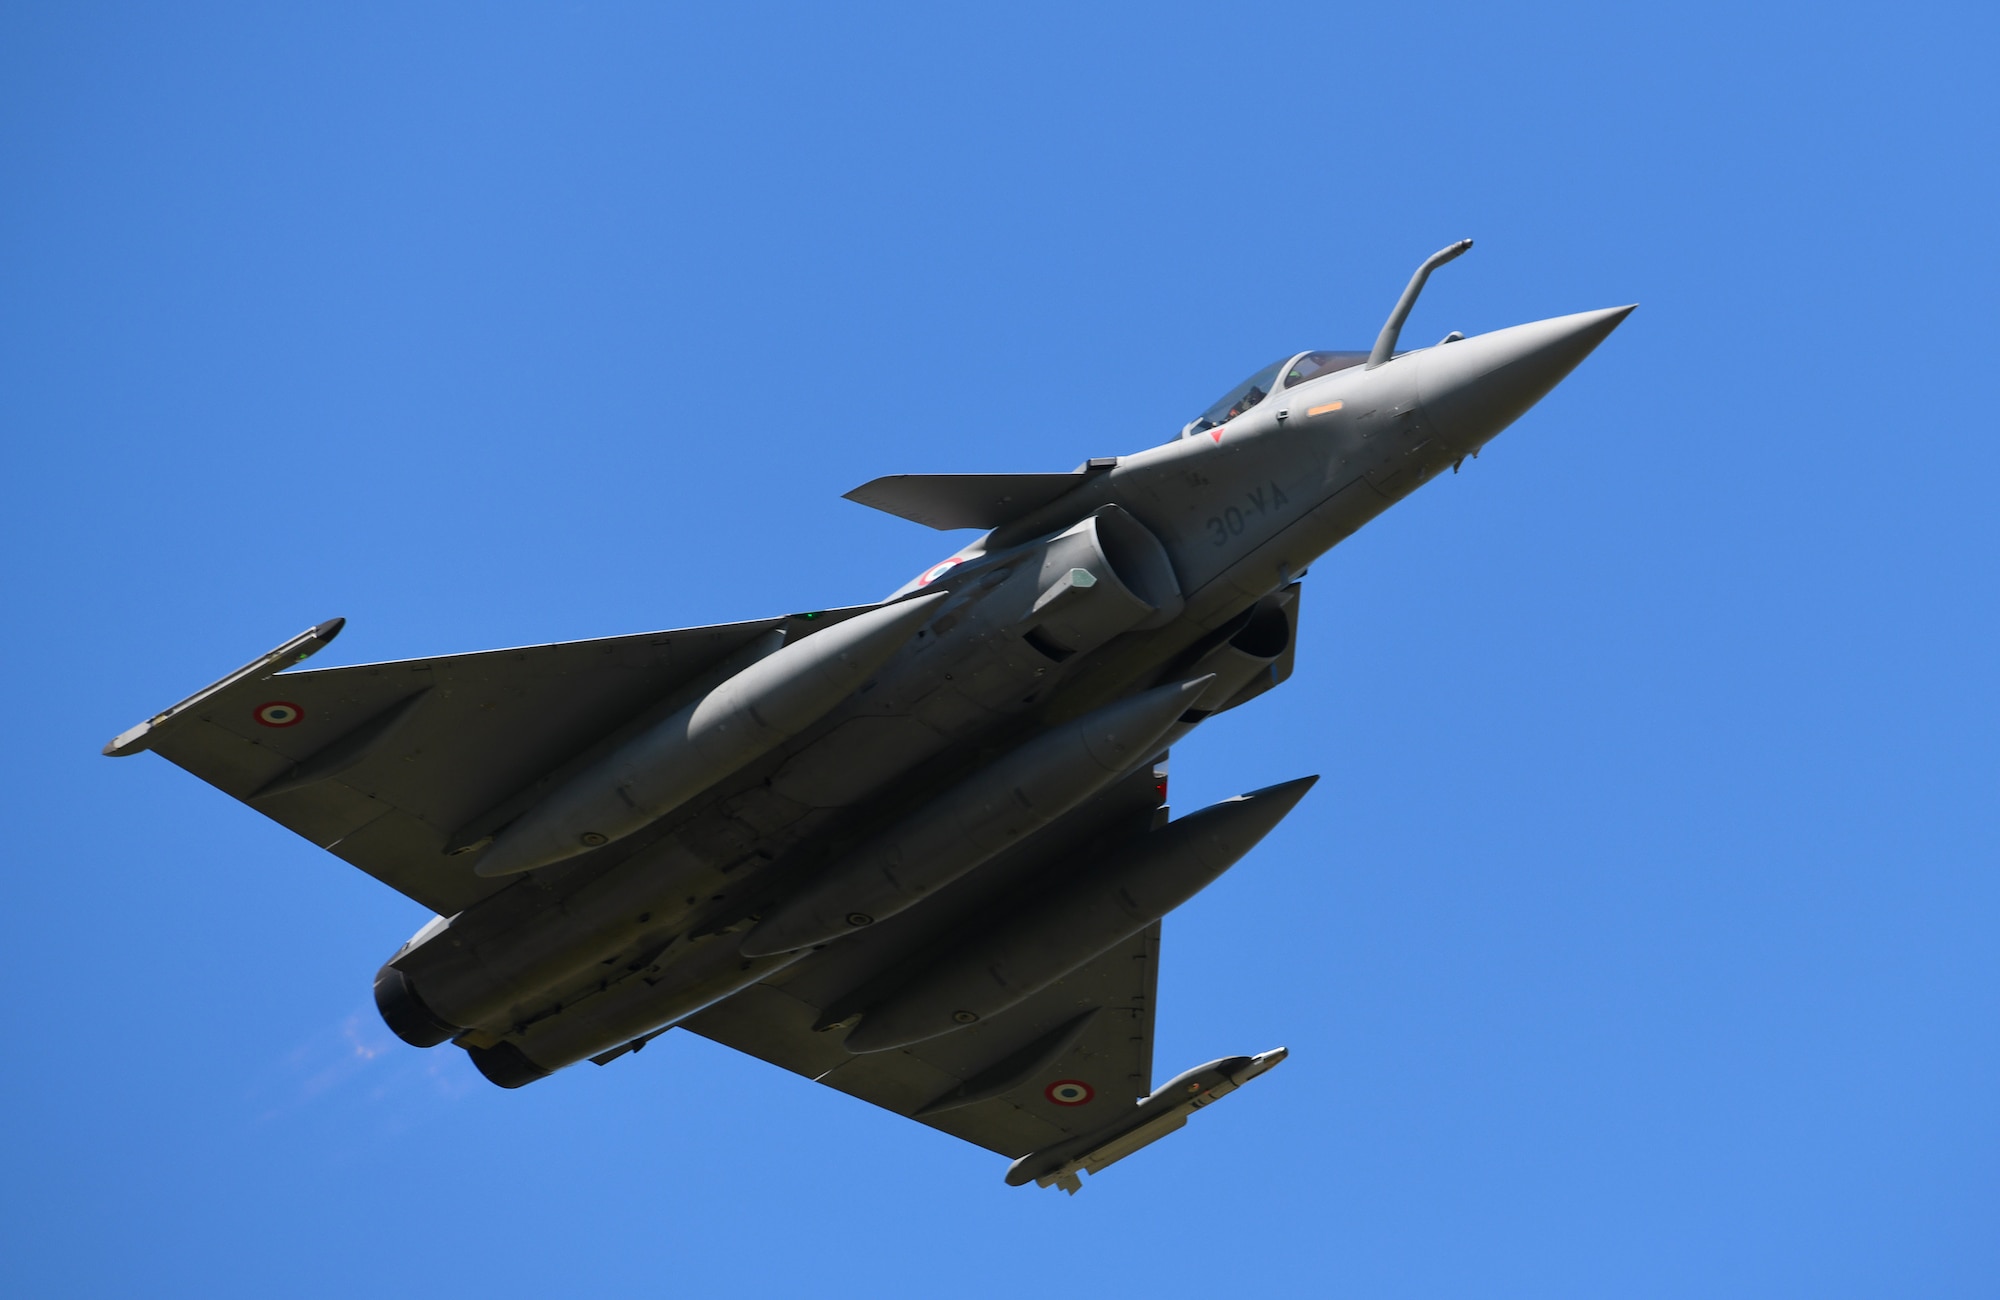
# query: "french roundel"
280 713
937 571
1069 1092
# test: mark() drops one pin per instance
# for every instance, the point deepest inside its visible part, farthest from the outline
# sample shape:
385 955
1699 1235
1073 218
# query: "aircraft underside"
919 851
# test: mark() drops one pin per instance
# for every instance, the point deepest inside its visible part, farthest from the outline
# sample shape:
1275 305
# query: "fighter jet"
917 851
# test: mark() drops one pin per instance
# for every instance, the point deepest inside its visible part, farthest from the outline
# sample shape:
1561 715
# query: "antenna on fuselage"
1385 342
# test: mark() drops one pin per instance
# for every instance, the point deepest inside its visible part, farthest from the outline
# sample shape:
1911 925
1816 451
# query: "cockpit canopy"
1305 366
1237 400
1313 365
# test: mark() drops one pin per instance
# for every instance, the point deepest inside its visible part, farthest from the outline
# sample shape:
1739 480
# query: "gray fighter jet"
917 851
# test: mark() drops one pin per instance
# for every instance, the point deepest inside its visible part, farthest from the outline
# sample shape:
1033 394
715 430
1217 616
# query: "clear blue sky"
1641 937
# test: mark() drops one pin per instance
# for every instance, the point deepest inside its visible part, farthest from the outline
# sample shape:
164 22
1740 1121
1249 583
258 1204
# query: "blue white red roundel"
1069 1092
937 571
280 713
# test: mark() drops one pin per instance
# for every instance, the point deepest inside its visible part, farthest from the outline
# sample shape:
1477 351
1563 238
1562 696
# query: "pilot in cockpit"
1304 367
1236 401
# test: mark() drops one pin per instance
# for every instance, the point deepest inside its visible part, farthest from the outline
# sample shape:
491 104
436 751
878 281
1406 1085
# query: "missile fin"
1166 1111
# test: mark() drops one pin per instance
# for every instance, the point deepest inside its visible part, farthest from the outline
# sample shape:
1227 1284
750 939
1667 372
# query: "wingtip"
127 743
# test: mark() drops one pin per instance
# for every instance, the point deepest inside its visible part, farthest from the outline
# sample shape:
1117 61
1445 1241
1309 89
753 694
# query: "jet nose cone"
1474 388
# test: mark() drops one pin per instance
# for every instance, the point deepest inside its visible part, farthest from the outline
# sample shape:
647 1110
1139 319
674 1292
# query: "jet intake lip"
1478 386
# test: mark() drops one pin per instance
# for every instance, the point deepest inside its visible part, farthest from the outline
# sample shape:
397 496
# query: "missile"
306 644
738 722
1146 1123
1098 907
988 812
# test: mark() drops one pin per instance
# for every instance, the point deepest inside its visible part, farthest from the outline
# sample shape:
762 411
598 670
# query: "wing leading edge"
390 765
